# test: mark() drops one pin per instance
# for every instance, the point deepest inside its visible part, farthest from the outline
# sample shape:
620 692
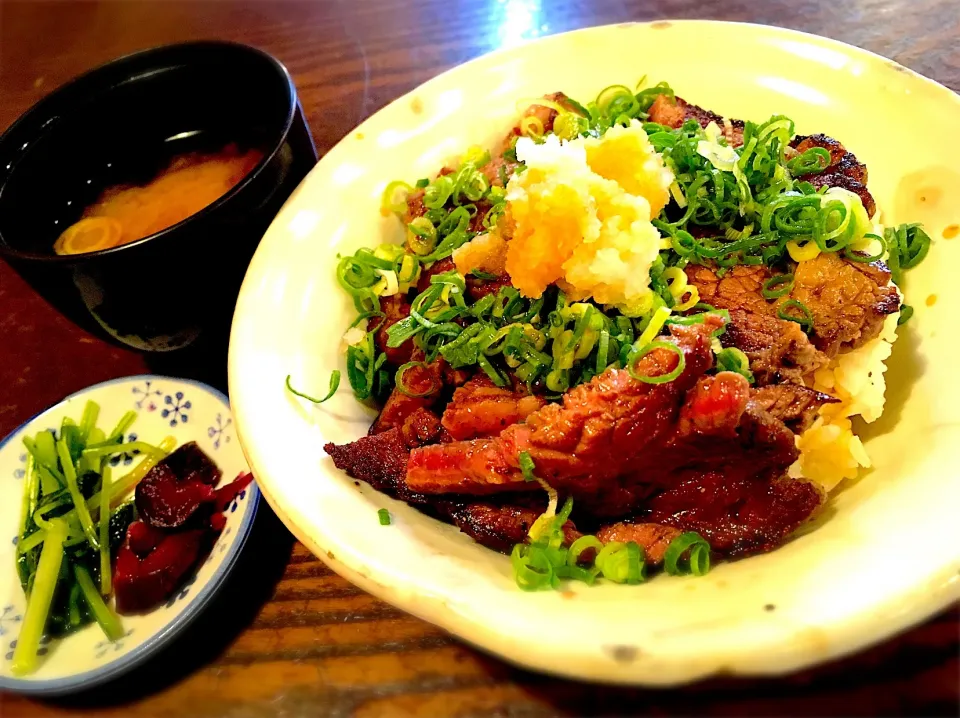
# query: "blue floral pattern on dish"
126 457
146 394
237 499
216 432
84 657
41 651
21 471
184 589
9 617
222 543
104 647
176 408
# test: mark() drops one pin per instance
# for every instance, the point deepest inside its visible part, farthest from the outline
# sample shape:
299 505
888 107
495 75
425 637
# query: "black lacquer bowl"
119 124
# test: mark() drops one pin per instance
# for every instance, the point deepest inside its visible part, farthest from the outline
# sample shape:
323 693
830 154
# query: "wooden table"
287 636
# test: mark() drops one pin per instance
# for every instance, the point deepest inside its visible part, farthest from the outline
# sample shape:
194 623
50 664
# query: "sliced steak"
422 427
848 300
674 112
440 267
500 527
652 538
778 349
736 514
580 445
425 379
379 459
480 408
843 171
394 308
616 440
793 404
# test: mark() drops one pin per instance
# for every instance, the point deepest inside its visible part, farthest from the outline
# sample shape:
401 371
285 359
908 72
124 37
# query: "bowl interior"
885 552
186 410
121 123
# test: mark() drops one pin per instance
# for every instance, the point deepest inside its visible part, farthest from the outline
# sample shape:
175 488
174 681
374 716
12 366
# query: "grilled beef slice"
581 444
848 302
778 349
736 514
793 404
481 408
844 170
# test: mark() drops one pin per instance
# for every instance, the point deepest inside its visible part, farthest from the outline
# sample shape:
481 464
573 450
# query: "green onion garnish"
394 198
777 286
662 378
815 159
404 388
384 517
526 466
906 311
698 555
732 359
334 385
788 309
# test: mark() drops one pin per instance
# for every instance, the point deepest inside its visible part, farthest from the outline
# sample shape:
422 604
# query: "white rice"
830 451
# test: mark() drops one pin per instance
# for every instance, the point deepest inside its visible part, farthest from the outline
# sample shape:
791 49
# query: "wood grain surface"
287 637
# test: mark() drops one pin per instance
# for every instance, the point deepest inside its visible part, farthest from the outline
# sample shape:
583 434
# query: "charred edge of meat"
500 527
737 516
838 179
844 170
674 113
793 404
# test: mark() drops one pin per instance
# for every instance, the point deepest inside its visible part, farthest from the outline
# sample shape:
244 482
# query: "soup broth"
187 184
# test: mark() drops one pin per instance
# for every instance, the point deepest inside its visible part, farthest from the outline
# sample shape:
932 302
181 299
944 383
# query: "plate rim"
477 633
157 641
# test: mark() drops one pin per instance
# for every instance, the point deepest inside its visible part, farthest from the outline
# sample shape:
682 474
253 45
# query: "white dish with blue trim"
186 410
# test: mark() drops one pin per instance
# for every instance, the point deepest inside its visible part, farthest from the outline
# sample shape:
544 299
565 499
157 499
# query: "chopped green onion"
815 159
526 466
805 318
856 256
334 385
584 543
662 378
482 275
402 387
777 286
384 517
621 562
531 568
906 311
394 198
732 359
907 246
698 561
423 236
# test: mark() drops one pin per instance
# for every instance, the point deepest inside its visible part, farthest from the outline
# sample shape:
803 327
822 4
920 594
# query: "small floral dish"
185 410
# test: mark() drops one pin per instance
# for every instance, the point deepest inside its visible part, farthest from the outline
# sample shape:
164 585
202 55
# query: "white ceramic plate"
888 552
186 410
